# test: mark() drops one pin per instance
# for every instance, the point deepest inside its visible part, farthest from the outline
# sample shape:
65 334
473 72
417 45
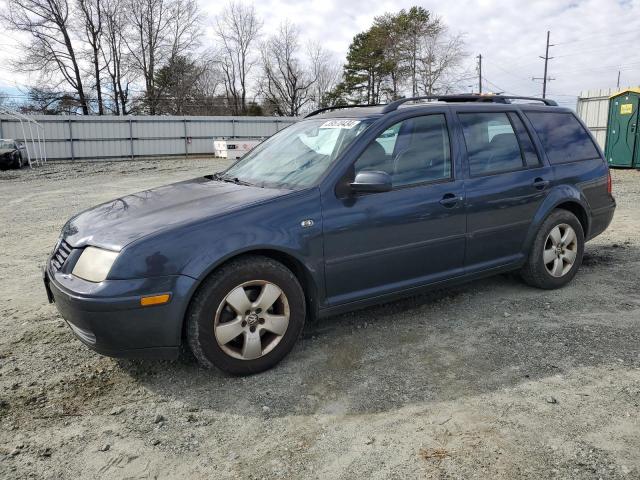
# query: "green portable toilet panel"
622 147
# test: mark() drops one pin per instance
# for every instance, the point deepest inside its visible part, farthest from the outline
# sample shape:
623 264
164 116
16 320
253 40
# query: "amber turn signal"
155 300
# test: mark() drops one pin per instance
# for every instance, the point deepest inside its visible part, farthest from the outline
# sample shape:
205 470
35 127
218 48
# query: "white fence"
112 137
593 109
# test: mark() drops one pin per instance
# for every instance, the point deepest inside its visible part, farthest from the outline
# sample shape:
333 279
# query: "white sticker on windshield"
340 124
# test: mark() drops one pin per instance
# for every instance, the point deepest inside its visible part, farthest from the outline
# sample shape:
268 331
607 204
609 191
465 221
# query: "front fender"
276 232
275 227
557 196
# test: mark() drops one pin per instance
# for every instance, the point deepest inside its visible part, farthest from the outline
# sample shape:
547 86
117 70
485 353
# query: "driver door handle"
450 200
540 183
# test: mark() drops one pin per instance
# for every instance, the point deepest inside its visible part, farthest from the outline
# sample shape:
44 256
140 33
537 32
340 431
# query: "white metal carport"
34 155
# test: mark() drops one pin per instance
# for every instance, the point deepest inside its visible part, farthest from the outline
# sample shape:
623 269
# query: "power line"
601 48
506 71
623 67
498 87
597 35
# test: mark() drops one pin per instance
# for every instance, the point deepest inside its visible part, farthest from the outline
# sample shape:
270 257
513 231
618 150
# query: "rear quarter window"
563 137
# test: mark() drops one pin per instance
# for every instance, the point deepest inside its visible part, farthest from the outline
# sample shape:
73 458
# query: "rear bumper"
601 219
108 318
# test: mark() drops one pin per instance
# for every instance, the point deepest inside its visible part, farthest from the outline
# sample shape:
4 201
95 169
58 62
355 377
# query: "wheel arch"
567 199
579 211
301 271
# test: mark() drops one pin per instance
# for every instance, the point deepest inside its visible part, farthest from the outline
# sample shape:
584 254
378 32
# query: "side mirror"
371 182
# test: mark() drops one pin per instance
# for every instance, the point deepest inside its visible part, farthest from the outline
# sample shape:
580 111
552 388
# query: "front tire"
247 316
556 253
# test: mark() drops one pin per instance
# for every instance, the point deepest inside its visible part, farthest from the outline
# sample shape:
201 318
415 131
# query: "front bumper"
7 160
108 318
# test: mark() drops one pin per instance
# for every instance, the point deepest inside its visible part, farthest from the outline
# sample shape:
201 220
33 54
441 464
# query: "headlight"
94 264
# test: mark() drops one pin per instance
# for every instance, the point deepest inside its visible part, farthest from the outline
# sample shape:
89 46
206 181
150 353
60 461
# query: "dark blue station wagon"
346 208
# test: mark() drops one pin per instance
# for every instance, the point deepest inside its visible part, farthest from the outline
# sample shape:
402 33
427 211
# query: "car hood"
115 224
4 151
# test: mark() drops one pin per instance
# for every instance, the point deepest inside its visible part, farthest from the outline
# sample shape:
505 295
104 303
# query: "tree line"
149 57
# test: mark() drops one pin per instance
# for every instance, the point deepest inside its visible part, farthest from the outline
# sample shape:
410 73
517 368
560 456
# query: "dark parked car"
344 209
11 154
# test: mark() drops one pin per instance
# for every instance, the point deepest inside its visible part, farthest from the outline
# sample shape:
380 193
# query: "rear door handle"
540 183
450 200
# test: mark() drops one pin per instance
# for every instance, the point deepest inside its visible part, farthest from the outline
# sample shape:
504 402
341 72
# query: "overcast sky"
593 39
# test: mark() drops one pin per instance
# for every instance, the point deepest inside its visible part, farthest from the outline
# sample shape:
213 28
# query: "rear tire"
556 253
246 317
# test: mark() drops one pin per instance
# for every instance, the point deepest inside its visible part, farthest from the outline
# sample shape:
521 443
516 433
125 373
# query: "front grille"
60 255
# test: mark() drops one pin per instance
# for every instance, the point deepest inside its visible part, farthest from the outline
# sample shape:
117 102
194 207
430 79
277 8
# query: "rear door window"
492 145
563 137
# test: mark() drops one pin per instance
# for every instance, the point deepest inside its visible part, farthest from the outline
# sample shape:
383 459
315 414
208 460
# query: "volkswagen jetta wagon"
346 208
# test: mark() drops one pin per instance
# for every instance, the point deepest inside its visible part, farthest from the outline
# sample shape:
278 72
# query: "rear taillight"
609 184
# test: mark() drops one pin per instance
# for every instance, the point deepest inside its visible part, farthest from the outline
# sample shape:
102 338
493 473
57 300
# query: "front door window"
414 151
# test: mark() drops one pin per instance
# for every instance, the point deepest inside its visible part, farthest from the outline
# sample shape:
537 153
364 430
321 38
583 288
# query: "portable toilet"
622 147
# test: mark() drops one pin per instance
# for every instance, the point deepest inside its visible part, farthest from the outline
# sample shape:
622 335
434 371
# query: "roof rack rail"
467 97
463 97
336 107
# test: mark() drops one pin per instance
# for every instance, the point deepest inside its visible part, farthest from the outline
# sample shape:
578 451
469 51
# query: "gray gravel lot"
490 380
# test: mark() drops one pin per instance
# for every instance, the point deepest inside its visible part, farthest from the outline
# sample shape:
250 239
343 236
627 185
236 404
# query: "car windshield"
6 144
297 156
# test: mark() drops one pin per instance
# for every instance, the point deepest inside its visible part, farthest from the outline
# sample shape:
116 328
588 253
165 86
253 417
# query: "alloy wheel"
560 250
251 320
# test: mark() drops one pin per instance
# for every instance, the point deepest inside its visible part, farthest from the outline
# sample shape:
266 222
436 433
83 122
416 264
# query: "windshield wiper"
225 178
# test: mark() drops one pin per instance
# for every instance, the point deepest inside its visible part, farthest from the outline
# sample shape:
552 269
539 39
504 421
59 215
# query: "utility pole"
546 59
479 57
618 84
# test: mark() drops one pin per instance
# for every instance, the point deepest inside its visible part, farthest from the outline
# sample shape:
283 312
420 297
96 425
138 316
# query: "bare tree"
161 30
113 53
186 26
211 79
439 61
44 101
91 15
237 29
50 50
325 70
287 84
4 99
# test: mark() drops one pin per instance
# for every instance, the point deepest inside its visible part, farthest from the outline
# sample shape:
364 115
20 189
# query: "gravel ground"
489 380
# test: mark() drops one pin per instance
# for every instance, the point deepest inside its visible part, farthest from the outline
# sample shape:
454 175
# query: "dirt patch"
489 380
